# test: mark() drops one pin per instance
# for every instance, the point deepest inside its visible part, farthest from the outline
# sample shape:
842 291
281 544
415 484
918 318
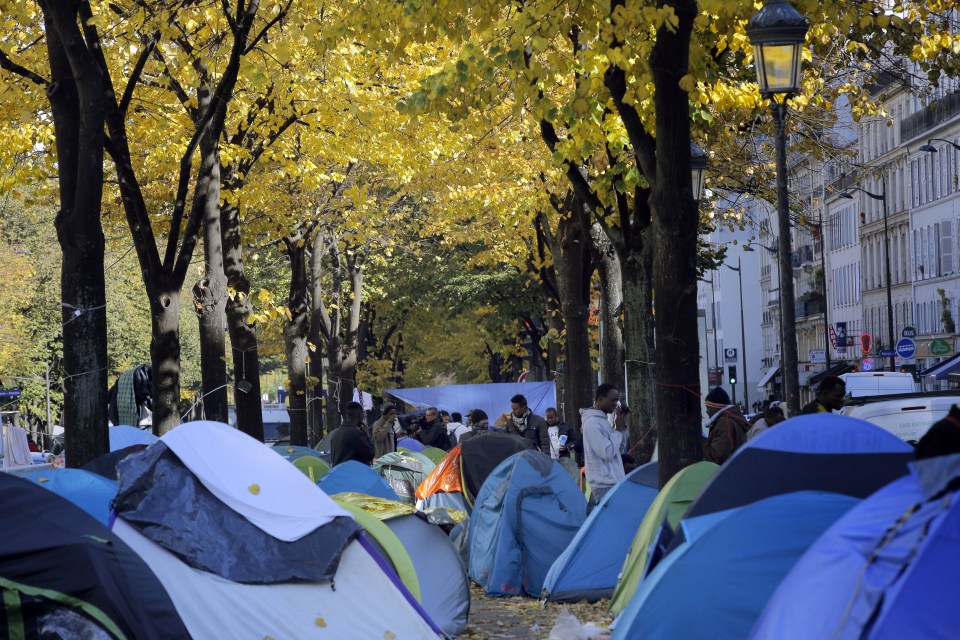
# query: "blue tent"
887 569
123 436
90 491
716 584
411 444
493 398
526 513
356 477
820 452
293 452
589 566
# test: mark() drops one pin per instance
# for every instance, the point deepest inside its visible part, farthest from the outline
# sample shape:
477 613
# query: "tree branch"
13 67
137 72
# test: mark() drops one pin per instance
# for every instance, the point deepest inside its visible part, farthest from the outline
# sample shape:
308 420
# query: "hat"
387 408
717 398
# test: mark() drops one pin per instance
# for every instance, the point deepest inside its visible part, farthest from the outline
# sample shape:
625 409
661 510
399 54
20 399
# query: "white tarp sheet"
252 480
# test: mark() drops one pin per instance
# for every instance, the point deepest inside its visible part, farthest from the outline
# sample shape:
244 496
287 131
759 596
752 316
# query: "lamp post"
743 337
777 33
882 197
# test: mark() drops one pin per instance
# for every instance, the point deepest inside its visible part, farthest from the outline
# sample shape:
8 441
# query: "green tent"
435 454
404 470
313 468
672 502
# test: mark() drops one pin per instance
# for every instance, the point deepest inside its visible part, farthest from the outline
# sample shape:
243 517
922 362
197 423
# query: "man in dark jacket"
523 422
830 395
727 427
349 441
556 430
433 432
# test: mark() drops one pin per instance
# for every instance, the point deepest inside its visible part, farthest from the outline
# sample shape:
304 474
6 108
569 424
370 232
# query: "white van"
276 422
878 383
907 417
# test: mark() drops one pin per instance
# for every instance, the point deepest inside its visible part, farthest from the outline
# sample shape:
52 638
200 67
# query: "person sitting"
830 395
727 428
349 440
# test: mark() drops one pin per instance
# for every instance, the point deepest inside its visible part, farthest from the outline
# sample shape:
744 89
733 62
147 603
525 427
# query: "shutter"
946 247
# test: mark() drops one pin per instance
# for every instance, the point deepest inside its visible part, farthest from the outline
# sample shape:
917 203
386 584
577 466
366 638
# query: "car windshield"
276 431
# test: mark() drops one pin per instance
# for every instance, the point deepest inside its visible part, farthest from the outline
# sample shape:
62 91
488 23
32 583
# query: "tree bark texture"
639 350
611 306
295 341
210 293
76 100
165 356
243 336
675 223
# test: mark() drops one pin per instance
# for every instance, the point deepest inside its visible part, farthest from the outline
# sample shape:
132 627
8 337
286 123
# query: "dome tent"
588 567
527 512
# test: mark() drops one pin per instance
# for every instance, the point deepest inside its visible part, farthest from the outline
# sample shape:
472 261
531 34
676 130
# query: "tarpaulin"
493 398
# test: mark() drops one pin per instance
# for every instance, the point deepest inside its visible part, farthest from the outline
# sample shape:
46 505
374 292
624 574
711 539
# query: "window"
946 247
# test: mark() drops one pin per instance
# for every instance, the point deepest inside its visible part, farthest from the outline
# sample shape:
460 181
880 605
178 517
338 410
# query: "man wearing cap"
727 428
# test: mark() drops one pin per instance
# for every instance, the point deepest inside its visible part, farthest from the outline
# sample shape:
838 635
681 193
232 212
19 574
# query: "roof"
838 369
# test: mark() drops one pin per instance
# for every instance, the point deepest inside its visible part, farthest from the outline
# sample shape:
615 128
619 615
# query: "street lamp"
743 337
882 197
698 169
929 148
777 33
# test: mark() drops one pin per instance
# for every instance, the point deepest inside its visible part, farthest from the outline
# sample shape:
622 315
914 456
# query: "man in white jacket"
601 443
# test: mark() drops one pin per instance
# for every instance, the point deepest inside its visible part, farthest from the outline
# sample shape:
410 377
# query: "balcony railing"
811 307
802 256
927 118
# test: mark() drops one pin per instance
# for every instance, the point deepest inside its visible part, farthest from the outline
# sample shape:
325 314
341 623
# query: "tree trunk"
675 223
243 336
165 357
295 342
611 305
573 280
638 334
76 100
210 293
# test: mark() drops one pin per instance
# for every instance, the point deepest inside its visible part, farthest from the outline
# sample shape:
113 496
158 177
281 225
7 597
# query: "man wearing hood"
601 443
727 428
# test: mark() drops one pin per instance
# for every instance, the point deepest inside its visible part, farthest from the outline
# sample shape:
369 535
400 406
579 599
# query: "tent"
669 506
106 465
313 468
123 436
716 584
887 569
820 452
479 456
294 452
442 487
356 477
404 471
91 492
527 512
62 570
248 547
410 444
440 577
493 398
435 454
588 567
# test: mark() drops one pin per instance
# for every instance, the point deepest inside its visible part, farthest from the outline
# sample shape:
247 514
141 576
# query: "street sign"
940 347
841 340
9 393
729 355
906 348
887 353
909 332
867 364
818 356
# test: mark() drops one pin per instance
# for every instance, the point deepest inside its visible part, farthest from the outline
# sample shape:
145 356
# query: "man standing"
727 428
523 422
349 440
601 444
456 428
830 395
433 433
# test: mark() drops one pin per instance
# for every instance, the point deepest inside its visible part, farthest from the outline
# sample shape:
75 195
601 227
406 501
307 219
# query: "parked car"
276 422
907 416
878 383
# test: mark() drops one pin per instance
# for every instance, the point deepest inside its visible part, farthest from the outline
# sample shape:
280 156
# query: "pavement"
515 618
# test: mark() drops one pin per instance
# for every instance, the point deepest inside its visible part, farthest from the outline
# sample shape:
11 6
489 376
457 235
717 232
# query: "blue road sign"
906 348
887 353
9 393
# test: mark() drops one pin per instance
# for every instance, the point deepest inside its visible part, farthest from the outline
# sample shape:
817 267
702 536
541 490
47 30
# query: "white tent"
361 602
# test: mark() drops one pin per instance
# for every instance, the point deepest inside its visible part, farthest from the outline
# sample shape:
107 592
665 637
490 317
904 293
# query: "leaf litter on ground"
515 618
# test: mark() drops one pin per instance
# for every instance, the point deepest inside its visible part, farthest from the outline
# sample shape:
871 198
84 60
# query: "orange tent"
445 478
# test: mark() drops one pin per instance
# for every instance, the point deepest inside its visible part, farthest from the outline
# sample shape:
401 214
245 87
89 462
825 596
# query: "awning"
943 369
767 377
803 377
838 369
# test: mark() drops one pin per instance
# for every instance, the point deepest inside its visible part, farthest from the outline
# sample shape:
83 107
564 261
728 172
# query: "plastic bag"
568 627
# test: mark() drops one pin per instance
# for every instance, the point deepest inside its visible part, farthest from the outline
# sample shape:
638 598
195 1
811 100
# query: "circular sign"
909 332
867 364
906 348
940 347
